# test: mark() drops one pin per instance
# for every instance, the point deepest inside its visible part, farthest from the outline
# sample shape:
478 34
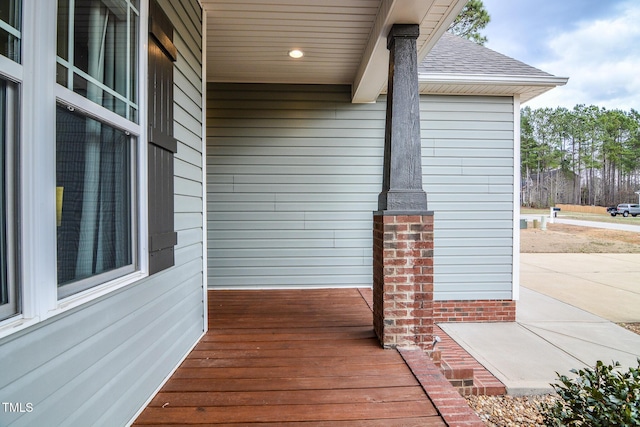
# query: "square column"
402 226
402 174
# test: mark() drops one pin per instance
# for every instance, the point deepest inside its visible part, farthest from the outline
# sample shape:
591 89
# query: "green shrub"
599 397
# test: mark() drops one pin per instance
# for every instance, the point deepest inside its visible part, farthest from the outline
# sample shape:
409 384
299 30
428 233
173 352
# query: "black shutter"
162 144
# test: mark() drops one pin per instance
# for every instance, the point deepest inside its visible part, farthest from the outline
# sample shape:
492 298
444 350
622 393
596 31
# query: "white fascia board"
371 77
492 79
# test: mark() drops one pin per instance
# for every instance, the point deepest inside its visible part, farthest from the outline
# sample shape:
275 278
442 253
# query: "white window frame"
11 72
37 167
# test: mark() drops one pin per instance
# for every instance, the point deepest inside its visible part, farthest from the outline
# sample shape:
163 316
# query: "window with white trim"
73 155
96 163
10 38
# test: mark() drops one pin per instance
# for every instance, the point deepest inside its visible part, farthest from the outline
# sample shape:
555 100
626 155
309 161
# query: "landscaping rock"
509 411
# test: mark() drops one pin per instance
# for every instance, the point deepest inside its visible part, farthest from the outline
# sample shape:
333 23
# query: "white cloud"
602 62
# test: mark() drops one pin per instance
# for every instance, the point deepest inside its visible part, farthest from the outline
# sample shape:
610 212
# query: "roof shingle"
456 55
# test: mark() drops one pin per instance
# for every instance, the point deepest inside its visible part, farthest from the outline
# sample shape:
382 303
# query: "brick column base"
403 279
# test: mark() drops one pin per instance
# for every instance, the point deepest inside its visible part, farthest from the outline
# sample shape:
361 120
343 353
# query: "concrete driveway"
607 285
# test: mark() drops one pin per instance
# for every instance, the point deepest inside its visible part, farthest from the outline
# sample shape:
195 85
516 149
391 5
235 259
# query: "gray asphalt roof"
456 55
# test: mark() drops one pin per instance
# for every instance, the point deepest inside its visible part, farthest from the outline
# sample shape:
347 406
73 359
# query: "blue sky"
596 43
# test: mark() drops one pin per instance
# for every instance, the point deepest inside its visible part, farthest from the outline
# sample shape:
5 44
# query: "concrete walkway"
564 320
582 223
597 224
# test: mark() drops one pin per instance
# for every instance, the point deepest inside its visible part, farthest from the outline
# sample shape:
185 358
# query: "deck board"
291 358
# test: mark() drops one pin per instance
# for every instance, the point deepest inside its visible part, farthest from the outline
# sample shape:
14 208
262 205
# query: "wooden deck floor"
291 358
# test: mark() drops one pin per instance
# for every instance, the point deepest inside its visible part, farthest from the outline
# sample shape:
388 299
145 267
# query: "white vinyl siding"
99 363
294 173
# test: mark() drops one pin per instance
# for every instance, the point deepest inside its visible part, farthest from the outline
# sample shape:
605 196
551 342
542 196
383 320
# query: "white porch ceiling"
344 40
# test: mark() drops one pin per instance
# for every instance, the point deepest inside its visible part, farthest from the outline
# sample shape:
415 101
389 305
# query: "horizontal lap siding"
292 180
99 363
294 172
468 167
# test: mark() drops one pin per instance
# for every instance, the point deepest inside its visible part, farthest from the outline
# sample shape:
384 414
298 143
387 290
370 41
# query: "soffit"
525 90
344 40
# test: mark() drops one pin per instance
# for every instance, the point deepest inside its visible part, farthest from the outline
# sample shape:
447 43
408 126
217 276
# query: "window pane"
61 75
100 51
4 289
8 285
94 189
10 27
63 29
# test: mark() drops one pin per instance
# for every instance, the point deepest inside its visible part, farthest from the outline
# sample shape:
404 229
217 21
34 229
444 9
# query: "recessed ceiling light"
296 53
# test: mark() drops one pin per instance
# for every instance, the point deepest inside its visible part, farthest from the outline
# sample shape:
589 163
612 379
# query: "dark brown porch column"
403 226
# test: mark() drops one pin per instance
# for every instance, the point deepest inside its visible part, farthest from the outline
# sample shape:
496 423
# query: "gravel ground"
509 411
635 327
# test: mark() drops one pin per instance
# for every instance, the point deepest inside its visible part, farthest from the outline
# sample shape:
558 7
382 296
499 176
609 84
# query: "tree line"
588 155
